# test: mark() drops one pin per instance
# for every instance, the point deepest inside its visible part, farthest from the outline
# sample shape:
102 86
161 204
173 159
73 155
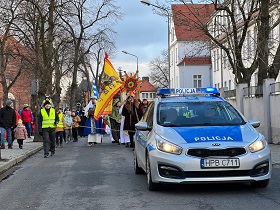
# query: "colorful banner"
108 109
110 86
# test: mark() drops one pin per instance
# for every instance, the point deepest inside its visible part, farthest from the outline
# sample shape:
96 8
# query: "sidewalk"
11 157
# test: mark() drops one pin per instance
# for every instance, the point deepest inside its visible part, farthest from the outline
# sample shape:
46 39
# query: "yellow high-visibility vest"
60 123
48 120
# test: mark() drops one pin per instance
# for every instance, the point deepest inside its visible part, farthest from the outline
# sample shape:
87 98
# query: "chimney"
145 78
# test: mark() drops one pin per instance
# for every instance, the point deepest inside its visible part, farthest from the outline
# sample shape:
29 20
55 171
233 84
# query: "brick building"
20 93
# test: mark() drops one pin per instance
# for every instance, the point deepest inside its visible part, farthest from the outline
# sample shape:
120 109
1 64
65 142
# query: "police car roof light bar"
188 91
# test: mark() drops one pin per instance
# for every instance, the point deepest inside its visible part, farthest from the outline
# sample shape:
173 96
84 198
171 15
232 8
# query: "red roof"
195 61
146 86
189 20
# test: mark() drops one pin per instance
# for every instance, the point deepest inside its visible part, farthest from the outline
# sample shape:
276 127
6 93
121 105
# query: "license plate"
220 163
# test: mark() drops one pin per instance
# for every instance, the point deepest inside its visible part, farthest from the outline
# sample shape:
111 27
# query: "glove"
41 133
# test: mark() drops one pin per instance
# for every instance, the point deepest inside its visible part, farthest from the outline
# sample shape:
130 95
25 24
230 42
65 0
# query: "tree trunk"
263 37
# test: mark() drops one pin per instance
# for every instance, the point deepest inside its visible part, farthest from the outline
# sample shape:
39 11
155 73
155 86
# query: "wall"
254 110
263 108
275 118
186 75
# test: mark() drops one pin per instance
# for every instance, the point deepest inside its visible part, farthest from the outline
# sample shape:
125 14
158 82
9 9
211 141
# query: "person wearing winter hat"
20 133
7 123
115 120
27 119
47 121
47 98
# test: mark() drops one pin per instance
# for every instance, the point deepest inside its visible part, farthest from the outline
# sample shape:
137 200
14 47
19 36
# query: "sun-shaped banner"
131 84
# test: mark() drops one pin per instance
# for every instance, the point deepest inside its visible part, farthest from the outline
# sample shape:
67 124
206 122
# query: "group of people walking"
15 124
121 122
57 127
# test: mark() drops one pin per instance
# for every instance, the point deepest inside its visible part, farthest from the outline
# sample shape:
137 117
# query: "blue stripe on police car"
214 133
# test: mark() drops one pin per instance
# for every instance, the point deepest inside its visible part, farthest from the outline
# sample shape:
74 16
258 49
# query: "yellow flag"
110 86
108 109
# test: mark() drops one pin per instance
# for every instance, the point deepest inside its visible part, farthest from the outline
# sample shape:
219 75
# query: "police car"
192 135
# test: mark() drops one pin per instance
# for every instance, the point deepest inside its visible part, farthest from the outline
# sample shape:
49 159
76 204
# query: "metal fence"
253 91
275 88
230 93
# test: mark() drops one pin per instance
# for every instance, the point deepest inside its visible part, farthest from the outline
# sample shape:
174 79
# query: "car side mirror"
255 123
142 126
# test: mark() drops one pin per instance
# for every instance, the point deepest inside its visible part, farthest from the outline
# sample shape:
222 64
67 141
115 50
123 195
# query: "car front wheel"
151 185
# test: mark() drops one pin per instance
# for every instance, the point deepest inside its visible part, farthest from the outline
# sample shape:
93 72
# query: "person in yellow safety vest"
47 98
47 121
59 128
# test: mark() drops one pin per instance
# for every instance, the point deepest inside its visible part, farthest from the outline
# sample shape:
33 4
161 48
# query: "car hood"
202 134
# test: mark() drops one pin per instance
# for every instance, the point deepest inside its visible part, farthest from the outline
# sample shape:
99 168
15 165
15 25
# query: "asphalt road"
102 177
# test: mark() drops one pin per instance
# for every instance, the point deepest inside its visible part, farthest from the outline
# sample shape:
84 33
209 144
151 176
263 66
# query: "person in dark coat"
82 123
7 123
132 113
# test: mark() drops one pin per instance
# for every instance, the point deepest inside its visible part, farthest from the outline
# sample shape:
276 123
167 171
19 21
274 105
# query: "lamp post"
125 52
146 2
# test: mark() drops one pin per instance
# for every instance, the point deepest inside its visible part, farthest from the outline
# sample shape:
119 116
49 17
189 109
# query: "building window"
172 34
215 67
176 56
145 95
249 54
229 84
151 95
225 85
197 81
255 38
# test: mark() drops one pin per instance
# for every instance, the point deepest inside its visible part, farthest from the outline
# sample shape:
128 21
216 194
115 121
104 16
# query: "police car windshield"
202 113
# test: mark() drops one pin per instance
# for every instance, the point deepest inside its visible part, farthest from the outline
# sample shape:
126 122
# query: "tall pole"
146 2
137 70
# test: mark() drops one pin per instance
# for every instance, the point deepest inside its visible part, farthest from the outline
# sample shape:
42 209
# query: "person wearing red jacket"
27 119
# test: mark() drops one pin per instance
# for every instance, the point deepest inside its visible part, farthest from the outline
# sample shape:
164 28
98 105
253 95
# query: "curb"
9 164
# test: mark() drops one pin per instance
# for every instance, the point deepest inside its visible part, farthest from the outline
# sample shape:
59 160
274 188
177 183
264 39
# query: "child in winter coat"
76 119
20 133
68 126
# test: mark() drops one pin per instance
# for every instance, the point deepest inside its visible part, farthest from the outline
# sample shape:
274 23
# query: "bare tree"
85 27
11 49
229 31
159 75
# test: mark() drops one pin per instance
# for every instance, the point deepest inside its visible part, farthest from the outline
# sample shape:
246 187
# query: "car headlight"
165 146
257 145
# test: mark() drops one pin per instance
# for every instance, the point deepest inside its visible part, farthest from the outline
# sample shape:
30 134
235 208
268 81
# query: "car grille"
230 152
202 174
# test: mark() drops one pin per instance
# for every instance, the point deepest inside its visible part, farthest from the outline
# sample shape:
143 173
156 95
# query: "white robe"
92 137
124 137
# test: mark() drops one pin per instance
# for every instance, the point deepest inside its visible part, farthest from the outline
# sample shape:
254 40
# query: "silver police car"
192 135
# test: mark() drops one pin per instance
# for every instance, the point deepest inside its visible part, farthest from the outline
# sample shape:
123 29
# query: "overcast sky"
142 33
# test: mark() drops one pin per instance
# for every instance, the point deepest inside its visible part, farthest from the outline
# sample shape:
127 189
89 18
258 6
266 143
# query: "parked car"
193 135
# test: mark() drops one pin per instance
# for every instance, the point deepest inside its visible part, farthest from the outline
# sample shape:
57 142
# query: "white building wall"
186 75
248 51
275 122
177 53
